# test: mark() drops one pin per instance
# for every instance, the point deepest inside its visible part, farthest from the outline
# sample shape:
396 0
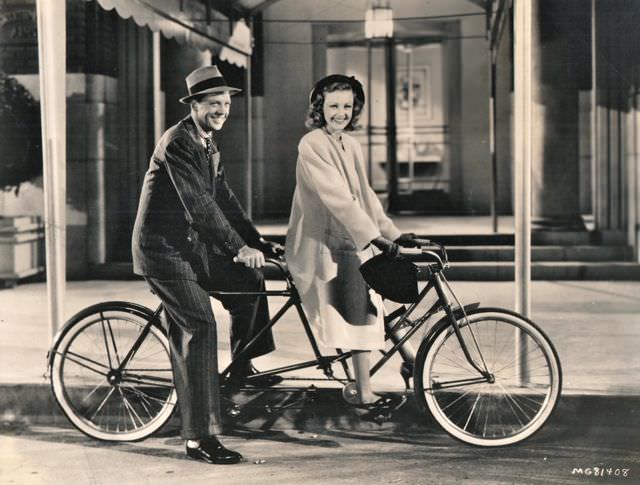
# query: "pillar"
555 162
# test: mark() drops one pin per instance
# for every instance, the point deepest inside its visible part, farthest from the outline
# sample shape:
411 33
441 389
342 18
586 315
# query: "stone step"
548 270
446 239
542 238
541 253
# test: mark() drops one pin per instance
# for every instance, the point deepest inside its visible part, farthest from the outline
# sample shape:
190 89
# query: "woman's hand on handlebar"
410 240
407 240
388 247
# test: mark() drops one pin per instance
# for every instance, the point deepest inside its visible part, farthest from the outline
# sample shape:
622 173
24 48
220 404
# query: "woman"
336 223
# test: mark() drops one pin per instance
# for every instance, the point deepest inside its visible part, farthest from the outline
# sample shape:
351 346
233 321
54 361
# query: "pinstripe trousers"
193 337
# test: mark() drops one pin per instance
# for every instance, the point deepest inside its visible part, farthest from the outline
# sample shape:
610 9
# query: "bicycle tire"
527 383
98 400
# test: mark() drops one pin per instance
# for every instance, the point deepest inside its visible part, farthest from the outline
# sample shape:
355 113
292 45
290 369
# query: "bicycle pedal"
234 411
402 402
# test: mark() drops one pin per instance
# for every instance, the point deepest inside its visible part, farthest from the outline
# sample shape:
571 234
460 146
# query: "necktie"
213 156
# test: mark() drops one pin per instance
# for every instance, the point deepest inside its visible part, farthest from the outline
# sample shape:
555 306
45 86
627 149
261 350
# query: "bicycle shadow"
167 444
262 415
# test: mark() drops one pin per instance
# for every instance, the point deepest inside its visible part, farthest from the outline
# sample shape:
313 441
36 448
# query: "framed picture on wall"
414 82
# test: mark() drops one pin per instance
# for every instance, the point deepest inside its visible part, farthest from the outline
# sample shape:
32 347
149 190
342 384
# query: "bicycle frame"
321 361
435 281
325 362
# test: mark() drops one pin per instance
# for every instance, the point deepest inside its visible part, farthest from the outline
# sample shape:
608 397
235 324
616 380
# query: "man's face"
338 109
211 111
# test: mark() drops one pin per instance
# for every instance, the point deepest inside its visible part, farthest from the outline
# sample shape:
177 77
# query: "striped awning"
186 21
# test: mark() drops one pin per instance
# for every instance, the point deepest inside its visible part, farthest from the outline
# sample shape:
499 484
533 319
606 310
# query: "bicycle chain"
316 379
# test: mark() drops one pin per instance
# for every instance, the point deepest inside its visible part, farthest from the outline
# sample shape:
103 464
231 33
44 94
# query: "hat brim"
217 89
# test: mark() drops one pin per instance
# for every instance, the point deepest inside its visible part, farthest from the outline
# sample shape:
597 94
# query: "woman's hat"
206 80
356 86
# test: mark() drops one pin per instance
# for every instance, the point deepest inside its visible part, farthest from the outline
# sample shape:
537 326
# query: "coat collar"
189 125
197 133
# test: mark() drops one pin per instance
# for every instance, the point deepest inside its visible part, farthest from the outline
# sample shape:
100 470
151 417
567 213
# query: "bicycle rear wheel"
509 406
100 399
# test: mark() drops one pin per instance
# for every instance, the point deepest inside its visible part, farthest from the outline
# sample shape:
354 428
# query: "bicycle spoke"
129 408
458 360
149 380
103 402
486 421
515 359
92 392
143 401
115 345
106 342
80 360
471 412
462 396
148 397
512 402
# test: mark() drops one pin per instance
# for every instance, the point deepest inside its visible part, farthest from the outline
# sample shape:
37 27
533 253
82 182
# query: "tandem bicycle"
489 376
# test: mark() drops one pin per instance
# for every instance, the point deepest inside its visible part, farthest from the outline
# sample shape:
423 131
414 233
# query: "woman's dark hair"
315 114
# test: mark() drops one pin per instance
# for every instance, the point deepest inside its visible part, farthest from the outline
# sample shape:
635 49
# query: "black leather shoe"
248 377
213 452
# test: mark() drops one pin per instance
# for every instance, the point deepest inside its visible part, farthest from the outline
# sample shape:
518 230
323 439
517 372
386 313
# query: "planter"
21 248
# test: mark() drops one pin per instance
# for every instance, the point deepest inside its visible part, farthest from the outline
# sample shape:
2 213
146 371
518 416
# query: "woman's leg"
406 350
363 380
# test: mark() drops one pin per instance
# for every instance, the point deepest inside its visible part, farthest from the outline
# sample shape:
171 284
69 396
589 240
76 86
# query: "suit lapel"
200 156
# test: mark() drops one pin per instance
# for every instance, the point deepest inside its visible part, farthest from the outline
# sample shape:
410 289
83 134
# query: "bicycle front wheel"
102 397
517 393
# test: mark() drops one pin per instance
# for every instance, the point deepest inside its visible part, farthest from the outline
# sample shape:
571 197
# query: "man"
188 231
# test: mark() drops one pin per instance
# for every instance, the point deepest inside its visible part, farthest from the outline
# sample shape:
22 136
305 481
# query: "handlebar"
429 250
424 247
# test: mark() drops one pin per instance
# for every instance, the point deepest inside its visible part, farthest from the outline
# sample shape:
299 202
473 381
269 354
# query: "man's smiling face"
212 110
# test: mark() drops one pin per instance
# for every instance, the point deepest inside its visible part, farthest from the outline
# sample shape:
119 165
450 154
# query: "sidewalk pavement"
594 325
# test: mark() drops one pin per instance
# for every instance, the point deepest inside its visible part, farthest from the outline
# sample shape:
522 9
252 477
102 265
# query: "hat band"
214 82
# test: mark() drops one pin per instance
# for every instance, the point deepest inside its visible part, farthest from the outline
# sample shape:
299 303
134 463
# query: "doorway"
422 158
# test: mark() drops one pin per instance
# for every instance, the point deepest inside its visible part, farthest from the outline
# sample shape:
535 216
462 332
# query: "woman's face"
338 110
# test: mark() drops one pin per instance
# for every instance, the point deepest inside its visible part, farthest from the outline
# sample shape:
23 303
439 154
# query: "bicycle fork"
437 281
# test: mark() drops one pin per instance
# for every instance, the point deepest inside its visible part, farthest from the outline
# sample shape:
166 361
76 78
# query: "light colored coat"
334 216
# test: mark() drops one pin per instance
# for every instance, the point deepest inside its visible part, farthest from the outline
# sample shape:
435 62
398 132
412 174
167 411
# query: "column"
555 162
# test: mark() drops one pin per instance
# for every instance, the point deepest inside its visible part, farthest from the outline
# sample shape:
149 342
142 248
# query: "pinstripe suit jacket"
184 214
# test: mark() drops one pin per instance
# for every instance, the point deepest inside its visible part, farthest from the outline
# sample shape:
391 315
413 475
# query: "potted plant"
21 235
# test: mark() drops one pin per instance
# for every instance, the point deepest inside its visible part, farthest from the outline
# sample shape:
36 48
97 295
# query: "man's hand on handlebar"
250 257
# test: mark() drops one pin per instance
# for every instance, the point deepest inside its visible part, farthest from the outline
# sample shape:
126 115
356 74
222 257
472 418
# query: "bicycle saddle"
394 279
